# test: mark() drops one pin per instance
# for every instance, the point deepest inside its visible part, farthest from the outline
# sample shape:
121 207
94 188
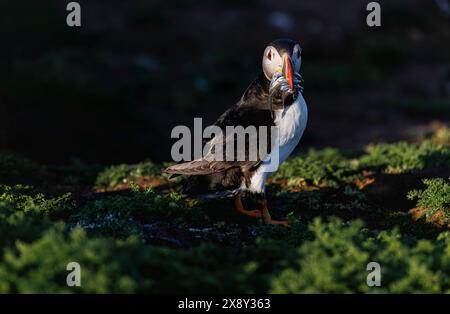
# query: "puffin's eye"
269 55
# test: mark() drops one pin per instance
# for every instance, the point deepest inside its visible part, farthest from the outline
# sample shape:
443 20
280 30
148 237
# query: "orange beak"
287 70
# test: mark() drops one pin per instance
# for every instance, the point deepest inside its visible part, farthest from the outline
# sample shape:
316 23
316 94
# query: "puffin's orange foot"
240 208
252 213
266 215
284 223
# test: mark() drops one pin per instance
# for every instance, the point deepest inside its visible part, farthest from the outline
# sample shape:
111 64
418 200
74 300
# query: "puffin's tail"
191 186
196 167
186 168
204 181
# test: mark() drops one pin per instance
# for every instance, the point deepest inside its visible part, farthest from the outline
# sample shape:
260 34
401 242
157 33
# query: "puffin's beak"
287 71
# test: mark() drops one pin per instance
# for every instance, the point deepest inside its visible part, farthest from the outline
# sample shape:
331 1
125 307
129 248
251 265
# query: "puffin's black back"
251 110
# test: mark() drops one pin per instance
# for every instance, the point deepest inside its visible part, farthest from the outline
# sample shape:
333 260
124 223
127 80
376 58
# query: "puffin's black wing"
236 116
251 110
214 177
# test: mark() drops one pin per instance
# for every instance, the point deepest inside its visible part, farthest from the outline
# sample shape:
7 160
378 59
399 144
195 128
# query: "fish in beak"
287 71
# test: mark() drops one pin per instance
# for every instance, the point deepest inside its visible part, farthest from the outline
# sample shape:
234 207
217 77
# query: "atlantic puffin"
274 98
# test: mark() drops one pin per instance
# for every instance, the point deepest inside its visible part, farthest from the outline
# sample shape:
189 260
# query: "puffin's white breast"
291 123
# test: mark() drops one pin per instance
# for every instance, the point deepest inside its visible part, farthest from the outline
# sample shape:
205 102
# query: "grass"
126 173
126 239
435 199
327 167
403 156
12 165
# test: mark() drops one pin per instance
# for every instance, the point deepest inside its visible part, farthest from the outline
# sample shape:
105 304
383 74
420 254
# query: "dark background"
112 90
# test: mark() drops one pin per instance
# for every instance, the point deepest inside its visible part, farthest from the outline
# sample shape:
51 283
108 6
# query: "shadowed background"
112 90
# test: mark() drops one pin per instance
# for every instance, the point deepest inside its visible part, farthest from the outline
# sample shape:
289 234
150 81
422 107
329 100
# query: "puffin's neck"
257 95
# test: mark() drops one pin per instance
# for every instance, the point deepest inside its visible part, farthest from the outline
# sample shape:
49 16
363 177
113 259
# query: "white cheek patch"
274 65
277 63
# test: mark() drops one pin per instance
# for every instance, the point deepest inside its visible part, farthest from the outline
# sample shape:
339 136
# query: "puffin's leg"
240 208
262 204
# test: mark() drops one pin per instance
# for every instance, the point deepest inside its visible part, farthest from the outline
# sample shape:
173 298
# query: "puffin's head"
282 56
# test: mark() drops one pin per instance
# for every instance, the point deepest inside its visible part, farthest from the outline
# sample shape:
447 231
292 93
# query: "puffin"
273 99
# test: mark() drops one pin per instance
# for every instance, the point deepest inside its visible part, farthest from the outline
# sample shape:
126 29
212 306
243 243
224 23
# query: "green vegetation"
109 94
143 239
327 167
435 198
330 168
333 260
402 156
12 165
25 215
116 214
126 173
331 257
441 136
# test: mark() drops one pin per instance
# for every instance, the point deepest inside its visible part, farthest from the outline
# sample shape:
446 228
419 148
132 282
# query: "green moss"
402 156
16 224
110 265
12 165
441 136
108 234
326 167
126 173
16 168
122 215
76 172
335 262
436 197
25 215
333 258
25 199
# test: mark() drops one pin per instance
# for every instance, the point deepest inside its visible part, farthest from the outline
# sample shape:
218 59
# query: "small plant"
25 199
76 172
327 257
15 166
139 205
441 136
435 198
327 167
126 173
402 156
142 240
25 215
335 259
